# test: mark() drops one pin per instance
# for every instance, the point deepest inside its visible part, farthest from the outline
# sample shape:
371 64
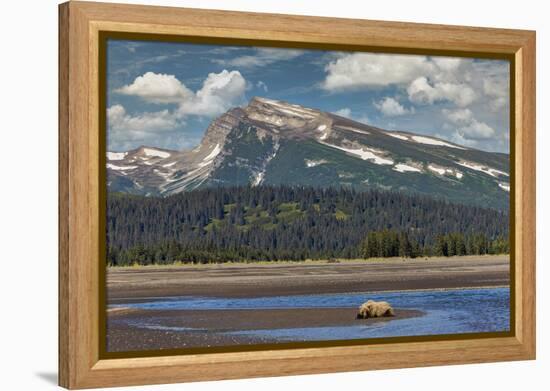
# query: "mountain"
271 142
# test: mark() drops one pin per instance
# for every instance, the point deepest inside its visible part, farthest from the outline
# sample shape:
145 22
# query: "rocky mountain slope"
274 142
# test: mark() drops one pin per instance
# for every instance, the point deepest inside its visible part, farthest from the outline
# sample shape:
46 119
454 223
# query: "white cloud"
157 88
352 71
497 89
428 79
219 92
461 94
131 46
498 103
358 70
347 113
422 92
119 120
344 112
460 116
390 107
126 131
459 139
161 129
466 126
476 130
472 93
262 57
364 119
447 64
260 84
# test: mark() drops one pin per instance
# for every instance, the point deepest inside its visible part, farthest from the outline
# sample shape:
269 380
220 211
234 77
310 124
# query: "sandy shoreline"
131 329
213 328
280 279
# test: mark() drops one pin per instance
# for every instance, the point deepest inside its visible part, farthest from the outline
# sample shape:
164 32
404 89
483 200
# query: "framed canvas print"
247 195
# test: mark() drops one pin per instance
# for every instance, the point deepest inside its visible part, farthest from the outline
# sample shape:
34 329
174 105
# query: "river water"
445 312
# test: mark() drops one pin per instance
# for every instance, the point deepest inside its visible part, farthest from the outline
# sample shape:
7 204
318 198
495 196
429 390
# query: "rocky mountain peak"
259 105
219 128
275 142
285 119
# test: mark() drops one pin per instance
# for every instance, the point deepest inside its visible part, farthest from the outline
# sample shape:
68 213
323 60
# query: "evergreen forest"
273 223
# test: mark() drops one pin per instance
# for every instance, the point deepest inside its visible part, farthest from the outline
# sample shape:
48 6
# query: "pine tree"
440 247
405 246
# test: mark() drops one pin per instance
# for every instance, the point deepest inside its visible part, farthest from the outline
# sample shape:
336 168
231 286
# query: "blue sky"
165 94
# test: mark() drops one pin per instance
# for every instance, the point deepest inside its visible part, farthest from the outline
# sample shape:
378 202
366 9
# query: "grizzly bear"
374 309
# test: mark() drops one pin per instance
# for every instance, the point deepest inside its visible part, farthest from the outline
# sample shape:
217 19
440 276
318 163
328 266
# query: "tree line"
392 243
271 223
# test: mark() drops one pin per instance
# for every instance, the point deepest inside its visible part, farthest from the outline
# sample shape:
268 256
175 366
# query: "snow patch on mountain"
189 181
401 167
504 186
156 153
325 132
439 170
296 112
214 153
258 177
209 159
116 155
290 110
433 141
364 153
270 119
397 135
445 170
481 168
314 163
120 168
165 175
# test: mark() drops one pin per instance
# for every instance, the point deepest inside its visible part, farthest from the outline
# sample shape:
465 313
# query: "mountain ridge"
276 142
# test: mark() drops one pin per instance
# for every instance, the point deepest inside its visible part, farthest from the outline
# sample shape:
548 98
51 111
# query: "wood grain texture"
80 365
526 189
63 220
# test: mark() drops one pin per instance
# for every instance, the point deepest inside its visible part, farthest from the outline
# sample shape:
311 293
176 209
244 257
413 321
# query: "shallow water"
446 312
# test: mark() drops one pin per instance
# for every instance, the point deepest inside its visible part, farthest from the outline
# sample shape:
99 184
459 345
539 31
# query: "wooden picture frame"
82 154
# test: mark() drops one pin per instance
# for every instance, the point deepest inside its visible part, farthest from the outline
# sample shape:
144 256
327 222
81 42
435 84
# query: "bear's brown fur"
375 309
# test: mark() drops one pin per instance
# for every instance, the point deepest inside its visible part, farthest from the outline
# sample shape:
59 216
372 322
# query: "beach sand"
211 327
278 279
